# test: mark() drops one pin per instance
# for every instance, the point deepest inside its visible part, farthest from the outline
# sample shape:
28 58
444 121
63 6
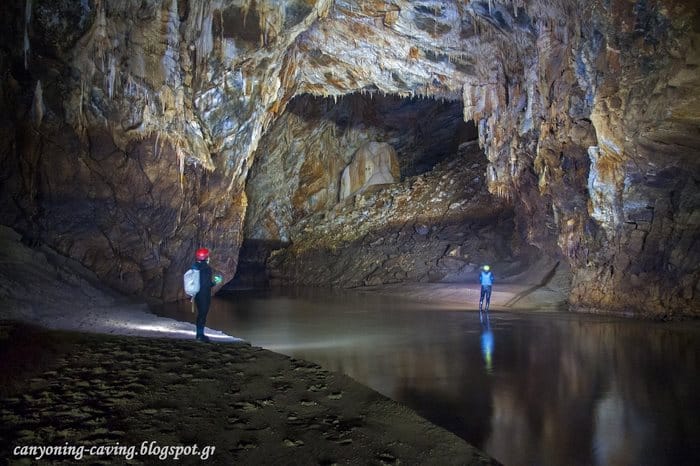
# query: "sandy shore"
245 405
96 376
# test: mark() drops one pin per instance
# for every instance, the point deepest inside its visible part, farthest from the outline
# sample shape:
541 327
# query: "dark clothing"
485 293
203 298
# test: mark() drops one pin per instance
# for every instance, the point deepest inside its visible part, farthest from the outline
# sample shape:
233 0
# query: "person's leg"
481 303
202 311
488 298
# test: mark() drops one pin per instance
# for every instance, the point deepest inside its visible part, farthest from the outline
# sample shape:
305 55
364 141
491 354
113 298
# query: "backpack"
191 280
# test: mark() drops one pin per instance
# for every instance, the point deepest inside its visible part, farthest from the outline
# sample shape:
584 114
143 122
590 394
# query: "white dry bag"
191 280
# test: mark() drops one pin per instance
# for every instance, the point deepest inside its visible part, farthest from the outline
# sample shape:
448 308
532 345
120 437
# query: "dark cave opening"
422 131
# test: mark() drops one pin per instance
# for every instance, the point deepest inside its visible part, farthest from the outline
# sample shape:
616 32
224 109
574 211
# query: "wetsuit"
486 280
203 298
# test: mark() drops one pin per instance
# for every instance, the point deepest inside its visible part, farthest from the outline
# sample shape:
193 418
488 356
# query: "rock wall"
613 153
301 157
643 187
128 127
438 226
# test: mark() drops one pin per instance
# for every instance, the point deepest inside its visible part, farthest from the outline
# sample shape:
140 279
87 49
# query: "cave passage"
430 220
551 388
556 141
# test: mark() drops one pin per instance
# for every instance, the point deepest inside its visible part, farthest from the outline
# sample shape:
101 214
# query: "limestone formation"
438 226
301 157
374 163
129 128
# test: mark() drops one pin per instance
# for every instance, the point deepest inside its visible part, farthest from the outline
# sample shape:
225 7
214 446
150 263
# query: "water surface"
527 388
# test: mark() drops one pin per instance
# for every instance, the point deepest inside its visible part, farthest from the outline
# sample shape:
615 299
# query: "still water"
527 388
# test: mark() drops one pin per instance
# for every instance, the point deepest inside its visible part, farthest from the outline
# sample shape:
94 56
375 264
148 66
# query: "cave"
359 147
422 223
588 129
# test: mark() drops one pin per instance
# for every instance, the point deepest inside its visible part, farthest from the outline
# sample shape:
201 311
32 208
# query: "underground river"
527 388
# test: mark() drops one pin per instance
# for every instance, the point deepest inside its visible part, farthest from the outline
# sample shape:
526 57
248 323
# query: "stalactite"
27 20
173 25
155 146
221 34
181 162
205 40
111 76
80 106
100 35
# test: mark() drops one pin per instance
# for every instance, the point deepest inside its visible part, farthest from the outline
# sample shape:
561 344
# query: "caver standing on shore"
486 280
202 299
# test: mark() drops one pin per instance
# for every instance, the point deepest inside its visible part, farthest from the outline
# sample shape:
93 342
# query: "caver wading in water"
486 280
203 297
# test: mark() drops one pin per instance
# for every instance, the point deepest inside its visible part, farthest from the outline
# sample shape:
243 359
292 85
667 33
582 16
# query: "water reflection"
486 340
559 389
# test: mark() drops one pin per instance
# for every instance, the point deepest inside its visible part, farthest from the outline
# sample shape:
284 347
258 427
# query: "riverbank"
239 405
91 372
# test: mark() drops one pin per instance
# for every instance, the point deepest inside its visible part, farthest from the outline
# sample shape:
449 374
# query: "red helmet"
202 254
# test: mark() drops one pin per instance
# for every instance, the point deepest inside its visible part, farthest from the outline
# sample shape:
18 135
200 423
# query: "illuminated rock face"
374 163
129 129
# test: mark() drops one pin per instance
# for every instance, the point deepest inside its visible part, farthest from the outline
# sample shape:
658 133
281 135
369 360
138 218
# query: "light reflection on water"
529 389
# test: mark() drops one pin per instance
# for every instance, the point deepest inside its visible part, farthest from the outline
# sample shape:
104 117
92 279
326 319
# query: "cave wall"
615 156
144 118
439 226
128 128
300 159
589 125
437 223
642 252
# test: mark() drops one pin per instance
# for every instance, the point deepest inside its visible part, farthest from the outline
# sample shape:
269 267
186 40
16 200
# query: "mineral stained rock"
129 128
374 163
